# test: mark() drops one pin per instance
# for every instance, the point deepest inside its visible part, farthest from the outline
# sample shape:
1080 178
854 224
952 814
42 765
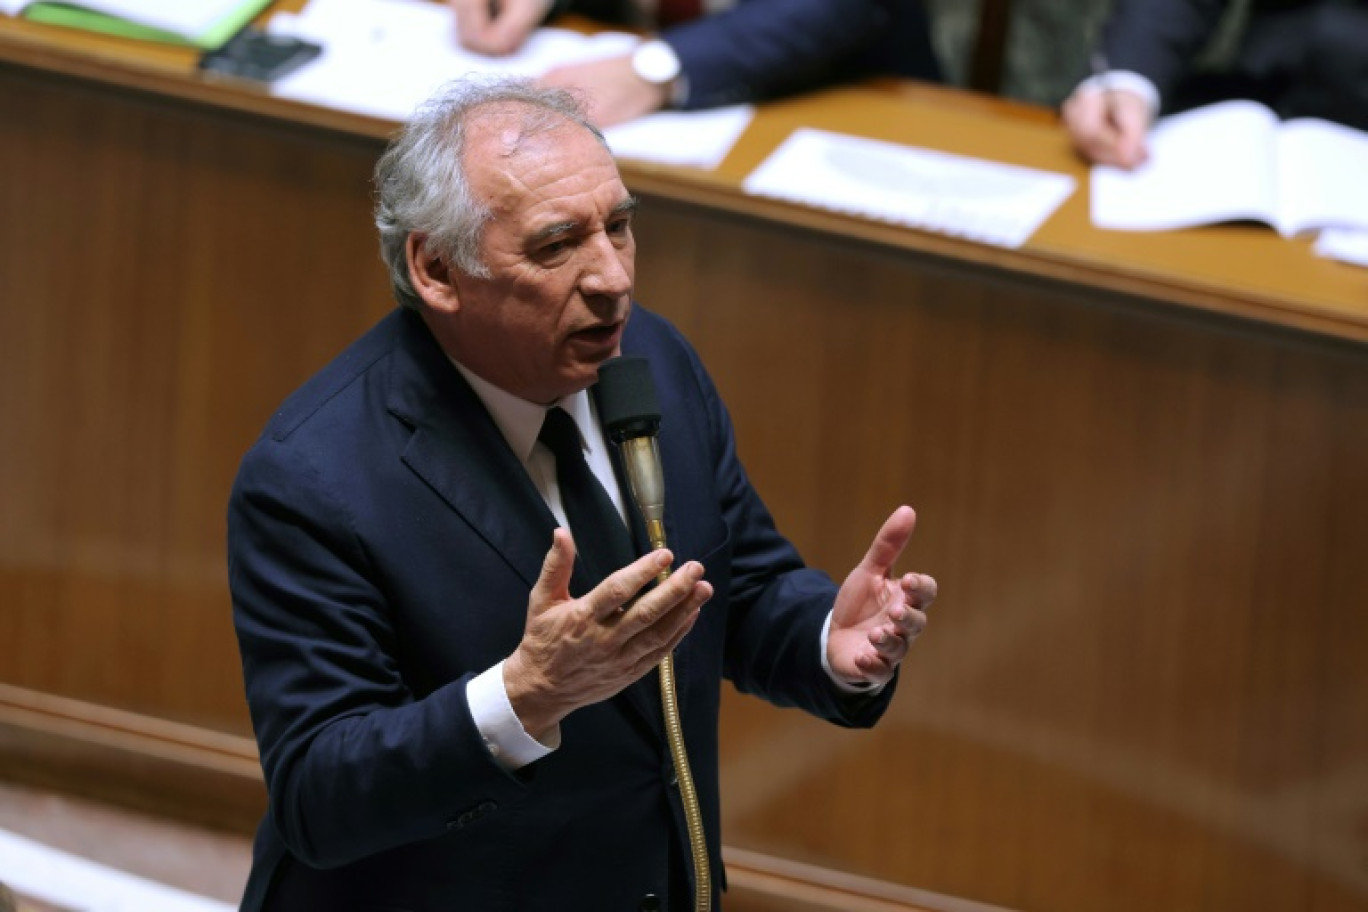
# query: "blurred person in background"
1303 58
709 53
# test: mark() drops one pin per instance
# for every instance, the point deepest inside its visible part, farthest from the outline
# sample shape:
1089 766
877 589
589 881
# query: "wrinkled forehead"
500 131
515 149
505 124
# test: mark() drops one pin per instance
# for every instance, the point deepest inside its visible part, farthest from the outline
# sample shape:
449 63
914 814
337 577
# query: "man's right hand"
1108 126
575 652
497 27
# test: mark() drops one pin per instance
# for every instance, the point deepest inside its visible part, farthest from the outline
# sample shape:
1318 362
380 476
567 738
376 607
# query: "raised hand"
876 617
575 652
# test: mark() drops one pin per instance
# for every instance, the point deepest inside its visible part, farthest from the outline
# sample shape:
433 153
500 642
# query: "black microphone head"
627 400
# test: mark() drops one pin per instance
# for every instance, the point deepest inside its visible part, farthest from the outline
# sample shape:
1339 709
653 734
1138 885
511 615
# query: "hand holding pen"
1107 121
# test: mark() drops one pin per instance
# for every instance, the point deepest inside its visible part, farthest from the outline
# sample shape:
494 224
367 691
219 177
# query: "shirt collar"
520 421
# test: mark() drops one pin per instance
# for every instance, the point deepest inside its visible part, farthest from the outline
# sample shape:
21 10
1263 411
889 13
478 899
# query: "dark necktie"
601 538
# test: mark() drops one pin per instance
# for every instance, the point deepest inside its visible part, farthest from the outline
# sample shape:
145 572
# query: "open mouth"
599 336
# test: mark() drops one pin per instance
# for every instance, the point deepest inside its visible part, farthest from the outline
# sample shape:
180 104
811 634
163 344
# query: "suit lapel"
459 452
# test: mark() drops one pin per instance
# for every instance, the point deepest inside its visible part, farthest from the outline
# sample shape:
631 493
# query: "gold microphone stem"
693 814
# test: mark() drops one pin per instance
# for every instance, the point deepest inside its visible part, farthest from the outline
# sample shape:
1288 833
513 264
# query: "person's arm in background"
752 51
1146 49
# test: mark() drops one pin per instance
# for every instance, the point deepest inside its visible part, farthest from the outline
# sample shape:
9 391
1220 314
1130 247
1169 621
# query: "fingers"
661 618
472 23
1085 117
648 647
888 544
1108 127
1130 117
497 29
553 585
919 590
905 621
514 24
610 596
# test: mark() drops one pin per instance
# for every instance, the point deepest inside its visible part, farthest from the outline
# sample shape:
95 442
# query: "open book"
1235 161
205 24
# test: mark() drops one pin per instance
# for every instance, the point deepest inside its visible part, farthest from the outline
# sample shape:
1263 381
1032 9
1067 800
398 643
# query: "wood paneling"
1142 685
166 277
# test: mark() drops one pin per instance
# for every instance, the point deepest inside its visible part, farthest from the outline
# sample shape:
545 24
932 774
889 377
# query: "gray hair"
421 184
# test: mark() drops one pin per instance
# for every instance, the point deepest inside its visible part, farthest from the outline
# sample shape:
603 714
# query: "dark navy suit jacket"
383 540
760 49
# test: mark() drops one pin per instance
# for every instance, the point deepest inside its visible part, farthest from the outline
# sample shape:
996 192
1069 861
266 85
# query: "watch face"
655 62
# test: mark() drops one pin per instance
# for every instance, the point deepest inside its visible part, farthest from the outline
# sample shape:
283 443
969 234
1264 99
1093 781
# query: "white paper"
1345 244
952 194
1214 164
1323 175
383 58
699 139
1236 161
47 874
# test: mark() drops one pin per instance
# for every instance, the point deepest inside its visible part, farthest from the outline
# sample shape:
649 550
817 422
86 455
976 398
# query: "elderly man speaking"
458 704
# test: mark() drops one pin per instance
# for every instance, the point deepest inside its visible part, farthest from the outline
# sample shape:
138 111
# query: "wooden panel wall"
1142 687
166 275
1144 683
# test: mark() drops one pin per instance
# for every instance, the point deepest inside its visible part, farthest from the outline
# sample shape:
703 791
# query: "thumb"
553 585
889 542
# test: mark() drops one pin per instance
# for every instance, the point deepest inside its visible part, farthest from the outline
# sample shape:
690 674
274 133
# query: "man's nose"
608 270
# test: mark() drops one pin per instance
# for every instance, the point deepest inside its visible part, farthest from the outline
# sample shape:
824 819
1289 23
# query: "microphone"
630 414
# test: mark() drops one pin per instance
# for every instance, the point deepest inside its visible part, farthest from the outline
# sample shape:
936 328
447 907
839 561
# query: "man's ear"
430 276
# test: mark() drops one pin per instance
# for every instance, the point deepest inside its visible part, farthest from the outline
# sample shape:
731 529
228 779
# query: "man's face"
561 259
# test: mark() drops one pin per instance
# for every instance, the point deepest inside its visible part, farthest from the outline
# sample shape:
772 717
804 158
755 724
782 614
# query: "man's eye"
619 226
553 248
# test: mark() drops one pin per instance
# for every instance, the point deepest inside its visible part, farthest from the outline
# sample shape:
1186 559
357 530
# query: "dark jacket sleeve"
354 763
760 48
1159 38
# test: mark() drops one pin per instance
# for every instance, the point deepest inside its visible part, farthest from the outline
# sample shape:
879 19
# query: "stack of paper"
952 194
385 57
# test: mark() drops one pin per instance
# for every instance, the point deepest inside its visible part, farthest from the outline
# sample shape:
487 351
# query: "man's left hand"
614 92
876 618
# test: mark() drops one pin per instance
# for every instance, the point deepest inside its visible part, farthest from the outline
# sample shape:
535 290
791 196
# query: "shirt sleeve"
503 733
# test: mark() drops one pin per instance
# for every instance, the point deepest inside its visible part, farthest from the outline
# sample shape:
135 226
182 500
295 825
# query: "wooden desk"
1141 464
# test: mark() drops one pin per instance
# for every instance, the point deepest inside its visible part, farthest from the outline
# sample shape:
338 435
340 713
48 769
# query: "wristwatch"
656 62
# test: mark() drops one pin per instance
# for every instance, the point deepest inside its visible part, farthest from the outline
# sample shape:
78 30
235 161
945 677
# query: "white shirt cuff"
1124 81
852 687
503 733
